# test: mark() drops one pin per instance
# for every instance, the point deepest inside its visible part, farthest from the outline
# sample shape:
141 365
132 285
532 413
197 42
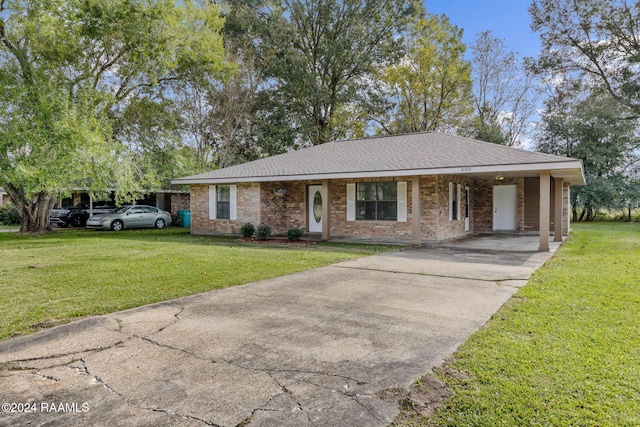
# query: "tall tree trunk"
34 211
584 211
590 216
574 214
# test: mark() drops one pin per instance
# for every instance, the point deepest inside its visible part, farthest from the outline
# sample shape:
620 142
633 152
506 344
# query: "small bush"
263 232
294 234
247 230
9 214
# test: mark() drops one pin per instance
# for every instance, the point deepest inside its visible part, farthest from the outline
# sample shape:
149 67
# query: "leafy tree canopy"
318 56
75 74
592 39
432 84
588 127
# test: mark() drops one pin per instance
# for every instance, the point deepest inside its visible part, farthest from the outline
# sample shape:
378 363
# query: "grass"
66 275
565 351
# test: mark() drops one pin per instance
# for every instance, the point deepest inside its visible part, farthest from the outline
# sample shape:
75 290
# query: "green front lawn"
565 351
70 274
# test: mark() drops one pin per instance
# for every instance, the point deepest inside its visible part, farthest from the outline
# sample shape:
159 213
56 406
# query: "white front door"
504 207
315 208
467 202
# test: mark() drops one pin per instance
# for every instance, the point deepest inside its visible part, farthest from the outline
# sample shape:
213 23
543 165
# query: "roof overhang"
571 171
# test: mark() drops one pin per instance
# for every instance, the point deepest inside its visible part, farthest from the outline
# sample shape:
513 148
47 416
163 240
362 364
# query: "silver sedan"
138 216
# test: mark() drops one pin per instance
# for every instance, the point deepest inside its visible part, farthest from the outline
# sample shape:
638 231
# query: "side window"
150 210
223 203
453 201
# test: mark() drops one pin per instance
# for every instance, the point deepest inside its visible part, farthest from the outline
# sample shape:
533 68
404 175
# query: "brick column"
326 211
557 221
545 201
416 211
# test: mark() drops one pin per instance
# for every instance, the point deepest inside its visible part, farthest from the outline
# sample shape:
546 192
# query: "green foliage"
587 126
433 82
573 35
564 350
263 232
9 215
37 284
318 56
294 234
247 230
85 92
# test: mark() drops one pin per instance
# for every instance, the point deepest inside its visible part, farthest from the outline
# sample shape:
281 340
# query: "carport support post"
557 219
416 238
326 227
545 201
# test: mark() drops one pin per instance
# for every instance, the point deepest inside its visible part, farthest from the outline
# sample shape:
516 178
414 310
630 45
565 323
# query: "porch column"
557 219
326 209
545 201
569 209
416 211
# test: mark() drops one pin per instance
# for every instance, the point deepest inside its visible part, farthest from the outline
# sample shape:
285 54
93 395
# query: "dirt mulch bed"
278 241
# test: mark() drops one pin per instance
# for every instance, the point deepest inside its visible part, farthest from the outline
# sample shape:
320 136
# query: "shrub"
247 230
294 234
9 214
263 232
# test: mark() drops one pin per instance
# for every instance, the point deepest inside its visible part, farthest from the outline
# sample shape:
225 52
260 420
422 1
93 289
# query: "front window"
377 200
223 202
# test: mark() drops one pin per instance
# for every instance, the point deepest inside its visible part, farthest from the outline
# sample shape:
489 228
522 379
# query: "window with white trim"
364 201
453 201
222 202
377 200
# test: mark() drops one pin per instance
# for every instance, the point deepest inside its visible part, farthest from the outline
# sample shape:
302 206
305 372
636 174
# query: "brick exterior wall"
340 227
179 202
482 198
248 210
282 205
283 211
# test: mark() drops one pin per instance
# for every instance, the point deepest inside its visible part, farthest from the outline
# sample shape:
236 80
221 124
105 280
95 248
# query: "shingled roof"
429 153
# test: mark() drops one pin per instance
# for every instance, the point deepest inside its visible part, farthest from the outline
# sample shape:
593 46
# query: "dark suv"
77 215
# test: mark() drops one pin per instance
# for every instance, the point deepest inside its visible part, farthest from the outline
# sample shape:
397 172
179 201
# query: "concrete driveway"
326 347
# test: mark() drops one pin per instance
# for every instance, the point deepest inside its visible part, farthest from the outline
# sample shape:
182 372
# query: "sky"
509 20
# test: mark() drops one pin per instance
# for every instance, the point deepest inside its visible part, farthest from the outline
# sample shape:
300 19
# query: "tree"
502 93
432 84
587 126
71 74
318 57
592 40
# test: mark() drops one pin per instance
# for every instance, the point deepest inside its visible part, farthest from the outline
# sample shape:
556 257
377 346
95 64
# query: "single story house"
414 188
3 196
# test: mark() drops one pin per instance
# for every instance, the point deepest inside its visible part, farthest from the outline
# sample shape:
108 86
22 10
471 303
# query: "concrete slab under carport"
487 242
499 242
314 348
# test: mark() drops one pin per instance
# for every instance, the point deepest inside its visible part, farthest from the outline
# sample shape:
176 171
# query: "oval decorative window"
317 206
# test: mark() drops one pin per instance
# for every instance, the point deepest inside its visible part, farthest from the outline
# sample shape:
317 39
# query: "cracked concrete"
310 349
